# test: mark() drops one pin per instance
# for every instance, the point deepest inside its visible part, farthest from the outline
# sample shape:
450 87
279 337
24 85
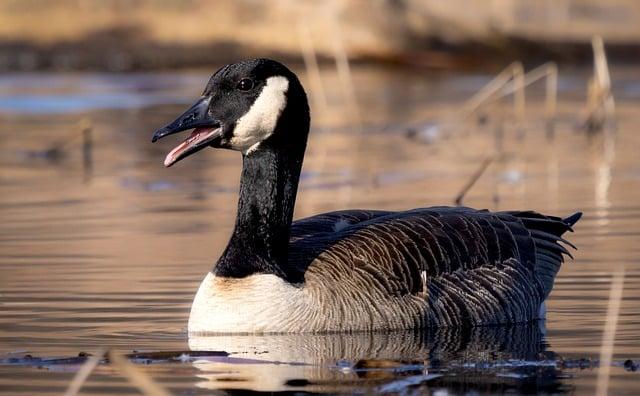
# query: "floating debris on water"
172 356
403 384
388 365
427 134
135 357
630 365
511 176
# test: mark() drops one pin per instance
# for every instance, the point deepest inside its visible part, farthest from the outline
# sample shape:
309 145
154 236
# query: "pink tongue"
173 154
170 158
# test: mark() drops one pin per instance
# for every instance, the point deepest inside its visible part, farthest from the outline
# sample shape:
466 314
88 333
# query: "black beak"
195 117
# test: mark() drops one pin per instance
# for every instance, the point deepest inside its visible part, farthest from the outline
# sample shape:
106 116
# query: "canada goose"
351 270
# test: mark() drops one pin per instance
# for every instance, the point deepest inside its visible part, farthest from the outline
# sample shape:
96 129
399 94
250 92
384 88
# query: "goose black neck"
268 187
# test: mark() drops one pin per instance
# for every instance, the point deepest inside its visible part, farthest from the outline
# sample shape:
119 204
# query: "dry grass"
491 90
136 377
609 334
311 65
84 372
121 364
474 178
600 107
513 81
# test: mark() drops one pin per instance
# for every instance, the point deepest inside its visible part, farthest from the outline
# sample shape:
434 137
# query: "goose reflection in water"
485 359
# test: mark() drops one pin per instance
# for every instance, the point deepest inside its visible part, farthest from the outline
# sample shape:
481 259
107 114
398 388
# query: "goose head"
246 106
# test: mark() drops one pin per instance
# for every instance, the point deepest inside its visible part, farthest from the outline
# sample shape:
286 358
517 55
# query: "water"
111 255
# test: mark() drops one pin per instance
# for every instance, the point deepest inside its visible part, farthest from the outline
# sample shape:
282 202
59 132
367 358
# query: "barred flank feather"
438 266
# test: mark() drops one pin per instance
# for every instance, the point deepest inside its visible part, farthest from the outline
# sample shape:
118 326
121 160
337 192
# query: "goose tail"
572 220
550 246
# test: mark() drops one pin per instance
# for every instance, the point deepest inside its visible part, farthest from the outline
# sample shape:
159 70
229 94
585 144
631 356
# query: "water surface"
111 255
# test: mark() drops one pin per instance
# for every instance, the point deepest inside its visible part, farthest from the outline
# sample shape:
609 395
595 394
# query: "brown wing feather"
480 267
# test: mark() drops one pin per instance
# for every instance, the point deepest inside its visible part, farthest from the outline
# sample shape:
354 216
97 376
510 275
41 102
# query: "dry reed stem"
609 334
472 181
603 76
78 131
85 370
513 81
136 377
343 67
548 70
551 94
86 129
311 64
600 107
519 103
348 91
310 58
488 91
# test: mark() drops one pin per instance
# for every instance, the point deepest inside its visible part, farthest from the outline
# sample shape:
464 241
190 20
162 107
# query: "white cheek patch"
261 119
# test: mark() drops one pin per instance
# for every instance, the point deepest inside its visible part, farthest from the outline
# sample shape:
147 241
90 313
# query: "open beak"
206 129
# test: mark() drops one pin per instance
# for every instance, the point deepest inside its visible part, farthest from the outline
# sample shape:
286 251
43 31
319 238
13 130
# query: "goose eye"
245 84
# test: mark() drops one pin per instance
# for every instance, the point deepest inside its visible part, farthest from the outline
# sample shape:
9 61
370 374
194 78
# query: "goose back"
442 265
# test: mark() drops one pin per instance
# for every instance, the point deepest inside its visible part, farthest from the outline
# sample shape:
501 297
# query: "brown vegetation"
143 34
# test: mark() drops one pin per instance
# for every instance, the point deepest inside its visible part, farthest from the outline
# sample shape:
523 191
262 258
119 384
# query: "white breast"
255 304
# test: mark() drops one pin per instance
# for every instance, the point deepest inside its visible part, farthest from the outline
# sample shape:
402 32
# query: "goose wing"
332 223
473 265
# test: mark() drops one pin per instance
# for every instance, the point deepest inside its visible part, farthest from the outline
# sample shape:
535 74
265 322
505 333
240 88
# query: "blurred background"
502 104
125 35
